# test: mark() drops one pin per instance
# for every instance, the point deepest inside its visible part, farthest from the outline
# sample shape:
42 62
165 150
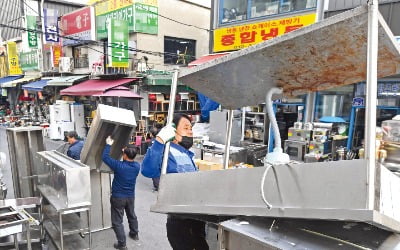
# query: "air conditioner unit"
66 65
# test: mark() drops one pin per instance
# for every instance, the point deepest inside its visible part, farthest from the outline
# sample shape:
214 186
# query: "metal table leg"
28 236
16 242
41 218
90 231
61 232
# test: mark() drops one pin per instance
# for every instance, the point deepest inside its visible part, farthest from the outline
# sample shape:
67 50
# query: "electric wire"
99 43
165 17
269 206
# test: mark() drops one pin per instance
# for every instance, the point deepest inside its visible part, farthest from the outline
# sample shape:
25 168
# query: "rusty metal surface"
327 54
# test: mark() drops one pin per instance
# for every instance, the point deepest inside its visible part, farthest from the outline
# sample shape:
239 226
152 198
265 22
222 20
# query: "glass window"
264 7
296 5
179 51
335 102
233 10
236 10
81 57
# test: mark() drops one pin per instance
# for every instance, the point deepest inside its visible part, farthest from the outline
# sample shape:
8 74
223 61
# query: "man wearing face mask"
182 233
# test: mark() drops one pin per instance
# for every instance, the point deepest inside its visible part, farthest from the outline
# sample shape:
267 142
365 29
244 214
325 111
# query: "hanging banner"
78 25
104 7
56 53
13 63
118 43
125 13
145 18
29 60
32 33
51 26
142 15
239 37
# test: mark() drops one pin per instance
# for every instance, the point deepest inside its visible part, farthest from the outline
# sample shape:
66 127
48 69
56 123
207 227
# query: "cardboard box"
207 165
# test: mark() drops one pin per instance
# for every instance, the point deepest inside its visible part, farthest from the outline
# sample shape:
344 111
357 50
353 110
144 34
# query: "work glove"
167 133
109 141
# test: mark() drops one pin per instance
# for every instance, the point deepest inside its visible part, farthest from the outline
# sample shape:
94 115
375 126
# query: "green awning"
66 80
164 78
166 89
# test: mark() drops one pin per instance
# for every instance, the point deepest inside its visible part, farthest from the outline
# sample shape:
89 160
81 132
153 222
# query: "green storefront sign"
125 13
118 36
32 35
141 18
145 19
29 60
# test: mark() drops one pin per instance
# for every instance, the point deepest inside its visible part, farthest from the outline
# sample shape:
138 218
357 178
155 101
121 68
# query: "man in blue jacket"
75 148
123 192
182 233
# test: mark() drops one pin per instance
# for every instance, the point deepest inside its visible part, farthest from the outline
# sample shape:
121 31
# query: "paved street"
152 233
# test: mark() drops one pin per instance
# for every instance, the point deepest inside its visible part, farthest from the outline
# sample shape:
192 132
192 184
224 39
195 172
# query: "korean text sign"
32 33
51 26
78 25
13 62
239 37
118 43
142 15
29 60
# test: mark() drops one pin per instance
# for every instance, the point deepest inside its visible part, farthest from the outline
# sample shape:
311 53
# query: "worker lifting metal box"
109 121
120 124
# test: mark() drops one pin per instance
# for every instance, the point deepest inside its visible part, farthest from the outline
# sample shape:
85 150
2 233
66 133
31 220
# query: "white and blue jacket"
180 160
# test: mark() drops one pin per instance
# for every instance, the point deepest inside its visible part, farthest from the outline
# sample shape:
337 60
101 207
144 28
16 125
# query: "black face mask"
187 142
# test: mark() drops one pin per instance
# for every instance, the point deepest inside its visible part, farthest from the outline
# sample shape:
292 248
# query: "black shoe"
120 247
134 236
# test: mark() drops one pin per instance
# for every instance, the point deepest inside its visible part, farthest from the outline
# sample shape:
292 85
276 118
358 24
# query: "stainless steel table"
28 234
13 222
64 227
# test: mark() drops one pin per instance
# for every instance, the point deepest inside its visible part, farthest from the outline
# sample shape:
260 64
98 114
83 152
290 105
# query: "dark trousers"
118 206
156 183
186 234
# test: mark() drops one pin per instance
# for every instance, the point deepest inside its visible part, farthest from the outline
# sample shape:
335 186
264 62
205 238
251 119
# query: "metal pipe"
311 96
170 117
41 16
370 109
243 123
228 139
271 116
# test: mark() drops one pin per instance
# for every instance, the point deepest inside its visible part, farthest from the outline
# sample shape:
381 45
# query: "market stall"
321 56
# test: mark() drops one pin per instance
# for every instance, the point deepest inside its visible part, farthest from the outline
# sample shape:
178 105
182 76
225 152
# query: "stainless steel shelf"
9 241
74 241
72 224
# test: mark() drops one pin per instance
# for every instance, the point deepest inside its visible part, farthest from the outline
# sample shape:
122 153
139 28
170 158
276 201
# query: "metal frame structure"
57 227
358 190
19 224
23 143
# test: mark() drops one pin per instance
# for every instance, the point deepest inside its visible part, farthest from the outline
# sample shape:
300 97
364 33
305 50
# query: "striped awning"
66 80
26 79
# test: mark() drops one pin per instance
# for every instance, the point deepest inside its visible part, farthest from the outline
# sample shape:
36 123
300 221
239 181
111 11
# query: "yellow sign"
103 7
13 63
239 37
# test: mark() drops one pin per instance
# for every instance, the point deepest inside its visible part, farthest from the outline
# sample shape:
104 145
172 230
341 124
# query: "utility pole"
312 96
41 35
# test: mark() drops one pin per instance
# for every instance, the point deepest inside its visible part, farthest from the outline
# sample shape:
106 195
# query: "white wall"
181 11
94 55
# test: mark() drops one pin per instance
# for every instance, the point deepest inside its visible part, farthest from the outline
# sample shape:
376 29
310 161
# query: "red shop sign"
77 21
